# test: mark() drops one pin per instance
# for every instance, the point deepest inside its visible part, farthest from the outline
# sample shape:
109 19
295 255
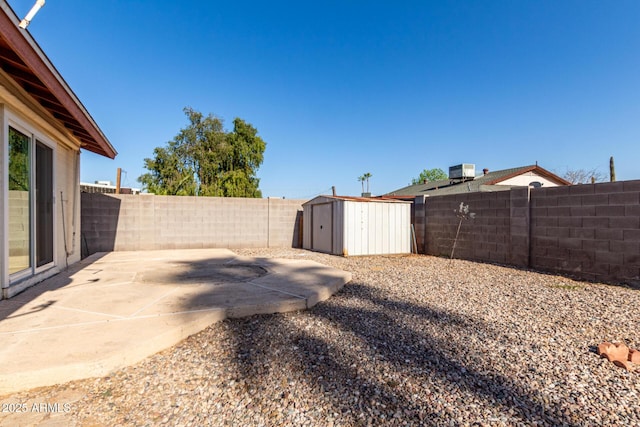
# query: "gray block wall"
486 237
591 231
143 222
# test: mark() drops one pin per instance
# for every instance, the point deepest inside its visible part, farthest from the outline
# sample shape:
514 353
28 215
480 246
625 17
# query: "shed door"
322 227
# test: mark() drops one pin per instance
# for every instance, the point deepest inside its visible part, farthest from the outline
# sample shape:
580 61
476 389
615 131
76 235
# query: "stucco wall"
591 231
66 233
142 222
67 195
527 178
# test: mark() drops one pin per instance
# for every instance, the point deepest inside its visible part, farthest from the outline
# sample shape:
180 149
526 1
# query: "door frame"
10 119
313 227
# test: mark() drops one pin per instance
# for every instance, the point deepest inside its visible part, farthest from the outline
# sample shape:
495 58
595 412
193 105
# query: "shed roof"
24 62
355 199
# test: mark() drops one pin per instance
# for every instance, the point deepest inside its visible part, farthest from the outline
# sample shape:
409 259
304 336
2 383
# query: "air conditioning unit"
464 171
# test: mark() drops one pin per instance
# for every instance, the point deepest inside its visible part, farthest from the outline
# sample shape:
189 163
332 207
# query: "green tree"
204 159
366 177
18 161
436 174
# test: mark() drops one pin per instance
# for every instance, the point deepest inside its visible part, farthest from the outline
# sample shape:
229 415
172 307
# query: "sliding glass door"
44 204
19 201
30 199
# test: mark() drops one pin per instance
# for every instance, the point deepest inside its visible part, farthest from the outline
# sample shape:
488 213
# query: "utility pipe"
27 19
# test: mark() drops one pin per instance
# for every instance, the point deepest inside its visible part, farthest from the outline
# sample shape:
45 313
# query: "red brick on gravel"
623 364
614 351
603 348
634 356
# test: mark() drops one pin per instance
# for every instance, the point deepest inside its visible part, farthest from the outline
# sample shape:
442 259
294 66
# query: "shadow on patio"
115 309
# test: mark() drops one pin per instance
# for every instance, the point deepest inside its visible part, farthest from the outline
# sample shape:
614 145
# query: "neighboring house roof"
27 70
86 187
491 181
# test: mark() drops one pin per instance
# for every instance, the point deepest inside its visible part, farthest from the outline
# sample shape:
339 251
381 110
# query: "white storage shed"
341 225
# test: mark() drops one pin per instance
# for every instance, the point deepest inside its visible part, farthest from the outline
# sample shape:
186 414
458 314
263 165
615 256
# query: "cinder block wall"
143 222
591 231
418 222
486 237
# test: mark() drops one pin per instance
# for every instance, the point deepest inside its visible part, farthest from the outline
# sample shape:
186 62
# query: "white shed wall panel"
357 227
376 228
338 227
306 226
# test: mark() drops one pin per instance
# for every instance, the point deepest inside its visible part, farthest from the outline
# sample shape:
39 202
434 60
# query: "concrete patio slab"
114 309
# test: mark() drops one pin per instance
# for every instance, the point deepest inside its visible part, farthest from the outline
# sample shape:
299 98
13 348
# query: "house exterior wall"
527 178
14 113
44 124
590 231
67 194
126 222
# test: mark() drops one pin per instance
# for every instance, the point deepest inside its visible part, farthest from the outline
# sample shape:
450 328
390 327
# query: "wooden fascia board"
35 59
15 96
11 56
550 175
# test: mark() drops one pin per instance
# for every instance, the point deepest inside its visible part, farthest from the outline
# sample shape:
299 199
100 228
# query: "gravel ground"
412 340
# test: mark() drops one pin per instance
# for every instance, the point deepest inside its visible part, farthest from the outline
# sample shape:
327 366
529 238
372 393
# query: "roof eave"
517 172
533 168
26 48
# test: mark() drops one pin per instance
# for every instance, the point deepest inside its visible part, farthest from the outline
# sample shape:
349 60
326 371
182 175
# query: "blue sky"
340 88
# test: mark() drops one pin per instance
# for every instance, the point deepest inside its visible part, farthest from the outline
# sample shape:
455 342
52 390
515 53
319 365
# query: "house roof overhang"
25 63
491 181
533 168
